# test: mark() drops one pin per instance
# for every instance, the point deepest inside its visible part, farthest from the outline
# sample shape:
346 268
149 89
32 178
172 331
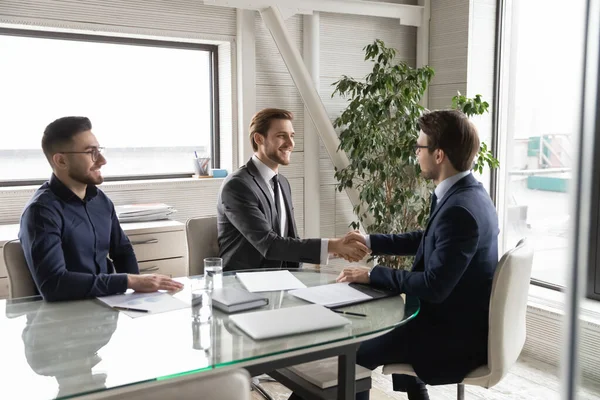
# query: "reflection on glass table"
72 348
68 351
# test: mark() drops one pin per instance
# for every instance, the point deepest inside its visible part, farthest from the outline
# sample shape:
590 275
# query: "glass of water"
201 301
201 335
213 272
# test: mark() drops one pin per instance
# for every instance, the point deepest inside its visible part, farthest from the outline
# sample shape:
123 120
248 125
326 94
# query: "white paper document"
157 302
143 212
335 294
269 281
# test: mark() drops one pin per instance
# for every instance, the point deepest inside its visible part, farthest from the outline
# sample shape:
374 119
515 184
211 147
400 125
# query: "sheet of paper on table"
155 303
269 281
332 295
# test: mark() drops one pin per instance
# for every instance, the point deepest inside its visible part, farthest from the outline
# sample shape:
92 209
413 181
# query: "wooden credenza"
160 248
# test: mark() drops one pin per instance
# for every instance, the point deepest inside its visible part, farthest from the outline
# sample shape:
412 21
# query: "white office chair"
20 282
217 385
507 331
202 242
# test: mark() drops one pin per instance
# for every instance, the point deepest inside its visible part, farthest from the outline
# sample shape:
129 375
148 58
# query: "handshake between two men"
352 247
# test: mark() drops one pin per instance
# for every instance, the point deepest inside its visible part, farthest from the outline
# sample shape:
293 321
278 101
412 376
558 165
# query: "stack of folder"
143 212
230 300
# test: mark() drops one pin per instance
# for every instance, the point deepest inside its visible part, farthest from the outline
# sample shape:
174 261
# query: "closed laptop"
287 321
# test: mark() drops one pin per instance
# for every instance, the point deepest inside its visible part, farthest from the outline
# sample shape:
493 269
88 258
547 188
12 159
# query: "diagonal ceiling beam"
406 14
312 101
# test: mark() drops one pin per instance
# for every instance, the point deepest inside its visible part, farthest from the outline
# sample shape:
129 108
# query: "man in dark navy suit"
455 259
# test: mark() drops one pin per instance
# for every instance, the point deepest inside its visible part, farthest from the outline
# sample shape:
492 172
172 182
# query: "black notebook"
231 300
374 293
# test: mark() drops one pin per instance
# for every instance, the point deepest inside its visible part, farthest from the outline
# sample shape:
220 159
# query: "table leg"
460 391
347 374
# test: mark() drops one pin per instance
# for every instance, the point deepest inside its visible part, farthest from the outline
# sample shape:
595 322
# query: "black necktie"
433 204
275 181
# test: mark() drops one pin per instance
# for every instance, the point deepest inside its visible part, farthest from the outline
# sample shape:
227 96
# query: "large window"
152 103
544 60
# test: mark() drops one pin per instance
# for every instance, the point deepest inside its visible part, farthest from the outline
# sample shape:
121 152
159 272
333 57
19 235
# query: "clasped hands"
352 247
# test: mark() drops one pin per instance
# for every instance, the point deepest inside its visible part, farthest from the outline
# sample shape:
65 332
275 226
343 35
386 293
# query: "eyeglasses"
416 147
94 152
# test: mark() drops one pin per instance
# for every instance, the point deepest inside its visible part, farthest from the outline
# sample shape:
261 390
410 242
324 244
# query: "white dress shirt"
445 185
440 191
267 175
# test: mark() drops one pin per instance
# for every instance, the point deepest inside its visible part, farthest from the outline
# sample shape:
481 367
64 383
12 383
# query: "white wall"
448 50
480 72
275 88
343 38
182 18
461 51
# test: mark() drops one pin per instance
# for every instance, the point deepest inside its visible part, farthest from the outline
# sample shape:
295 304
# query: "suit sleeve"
454 244
405 244
121 251
40 237
241 209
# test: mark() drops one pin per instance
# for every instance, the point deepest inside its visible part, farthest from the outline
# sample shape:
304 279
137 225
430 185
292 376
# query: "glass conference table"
69 349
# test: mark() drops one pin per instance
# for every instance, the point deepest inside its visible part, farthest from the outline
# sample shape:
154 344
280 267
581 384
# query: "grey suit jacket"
246 217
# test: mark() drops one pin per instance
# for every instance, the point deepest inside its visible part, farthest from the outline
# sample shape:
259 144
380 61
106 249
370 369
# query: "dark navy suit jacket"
455 260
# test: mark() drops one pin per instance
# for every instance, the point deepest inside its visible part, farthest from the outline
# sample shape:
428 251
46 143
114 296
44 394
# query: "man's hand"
151 283
354 274
355 236
351 250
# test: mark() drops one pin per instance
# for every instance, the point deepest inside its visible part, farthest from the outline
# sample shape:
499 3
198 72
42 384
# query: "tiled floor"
529 379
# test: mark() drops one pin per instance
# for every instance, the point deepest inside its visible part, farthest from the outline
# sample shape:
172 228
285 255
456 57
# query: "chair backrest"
202 242
228 385
20 282
508 310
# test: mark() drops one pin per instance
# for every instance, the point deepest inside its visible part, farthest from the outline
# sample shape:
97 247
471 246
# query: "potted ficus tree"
378 131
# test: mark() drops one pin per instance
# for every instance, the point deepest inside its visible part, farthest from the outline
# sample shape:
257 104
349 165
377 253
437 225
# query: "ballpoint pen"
130 309
349 313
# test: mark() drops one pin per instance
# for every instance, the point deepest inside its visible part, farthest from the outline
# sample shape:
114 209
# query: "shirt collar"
64 193
266 172
446 184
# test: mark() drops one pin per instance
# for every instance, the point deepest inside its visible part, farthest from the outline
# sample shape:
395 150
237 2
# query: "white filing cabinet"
160 248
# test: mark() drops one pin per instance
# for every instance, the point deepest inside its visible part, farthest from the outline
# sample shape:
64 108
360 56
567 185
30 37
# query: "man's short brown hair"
452 132
261 122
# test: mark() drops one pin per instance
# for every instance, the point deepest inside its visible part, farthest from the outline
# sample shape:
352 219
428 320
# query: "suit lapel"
253 171
467 181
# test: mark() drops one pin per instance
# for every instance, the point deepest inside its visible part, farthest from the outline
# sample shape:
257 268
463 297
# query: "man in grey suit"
255 214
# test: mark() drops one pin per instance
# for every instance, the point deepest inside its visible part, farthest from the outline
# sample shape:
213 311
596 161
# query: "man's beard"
275 156
85 178
428 175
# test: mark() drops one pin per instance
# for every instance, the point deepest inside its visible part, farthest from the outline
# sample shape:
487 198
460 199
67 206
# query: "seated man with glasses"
70 234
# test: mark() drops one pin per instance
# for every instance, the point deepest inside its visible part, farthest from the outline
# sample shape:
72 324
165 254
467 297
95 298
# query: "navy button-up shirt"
69 243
